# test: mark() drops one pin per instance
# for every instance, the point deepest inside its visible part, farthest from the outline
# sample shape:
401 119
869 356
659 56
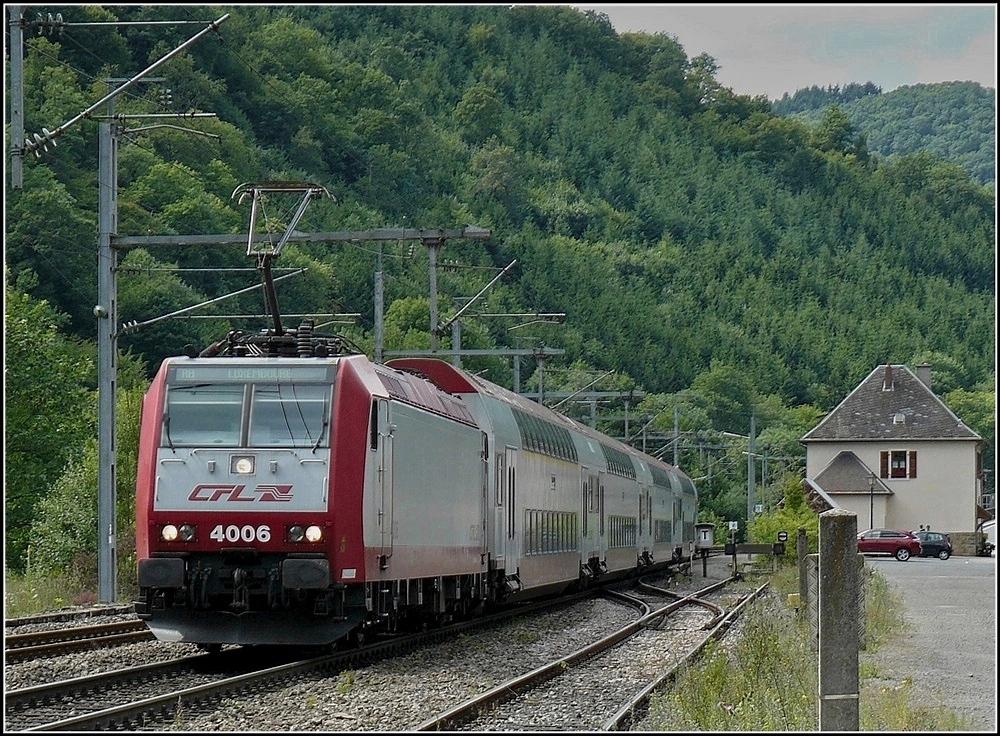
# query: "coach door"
484 499
591 508
384 478
505 527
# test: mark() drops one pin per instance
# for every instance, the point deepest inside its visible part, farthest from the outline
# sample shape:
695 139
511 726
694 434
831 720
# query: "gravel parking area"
949 650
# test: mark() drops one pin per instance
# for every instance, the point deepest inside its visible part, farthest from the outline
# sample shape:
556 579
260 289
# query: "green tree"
50 242
49 411
977 409
729 394
478 112
64 534
835 132
792 514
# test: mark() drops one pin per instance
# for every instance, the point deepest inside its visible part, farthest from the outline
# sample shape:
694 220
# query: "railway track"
152 696
633 709
583 683
140 697
174 698
67 615
52 642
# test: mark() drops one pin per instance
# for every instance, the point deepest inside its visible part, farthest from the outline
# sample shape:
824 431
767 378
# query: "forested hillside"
721 259
955 120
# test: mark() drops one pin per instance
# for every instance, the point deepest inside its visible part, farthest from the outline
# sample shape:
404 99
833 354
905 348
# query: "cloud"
773 49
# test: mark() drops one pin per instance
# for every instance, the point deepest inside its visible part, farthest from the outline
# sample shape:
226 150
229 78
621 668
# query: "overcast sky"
773 49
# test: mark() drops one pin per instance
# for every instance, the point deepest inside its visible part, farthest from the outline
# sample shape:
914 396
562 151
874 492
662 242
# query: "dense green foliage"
723 260
819 98
48 411
954 120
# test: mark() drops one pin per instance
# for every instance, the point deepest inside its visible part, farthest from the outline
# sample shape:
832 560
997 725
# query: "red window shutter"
883 470
913 463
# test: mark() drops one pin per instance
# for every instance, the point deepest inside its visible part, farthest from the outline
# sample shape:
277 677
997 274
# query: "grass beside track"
767 680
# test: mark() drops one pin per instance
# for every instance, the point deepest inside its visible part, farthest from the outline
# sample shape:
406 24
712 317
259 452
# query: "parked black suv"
934 544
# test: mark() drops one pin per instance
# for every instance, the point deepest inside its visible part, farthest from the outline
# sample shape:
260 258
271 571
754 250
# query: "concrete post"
801 552
838 621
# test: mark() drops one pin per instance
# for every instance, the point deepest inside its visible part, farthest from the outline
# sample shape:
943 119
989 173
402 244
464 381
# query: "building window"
898 464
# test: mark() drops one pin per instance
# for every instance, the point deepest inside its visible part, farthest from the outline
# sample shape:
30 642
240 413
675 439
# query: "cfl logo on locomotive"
210 492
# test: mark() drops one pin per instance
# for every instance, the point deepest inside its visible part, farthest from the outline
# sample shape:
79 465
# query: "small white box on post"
705 534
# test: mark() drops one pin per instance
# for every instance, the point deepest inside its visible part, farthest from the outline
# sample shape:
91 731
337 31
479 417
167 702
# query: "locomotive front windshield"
288 413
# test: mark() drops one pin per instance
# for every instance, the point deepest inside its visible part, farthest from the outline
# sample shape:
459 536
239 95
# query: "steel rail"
637 706
469 709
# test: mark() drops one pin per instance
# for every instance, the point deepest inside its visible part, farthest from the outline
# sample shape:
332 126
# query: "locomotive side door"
384 464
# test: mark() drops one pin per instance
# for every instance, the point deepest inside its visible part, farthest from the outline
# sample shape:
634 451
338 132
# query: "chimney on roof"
887 380
924 374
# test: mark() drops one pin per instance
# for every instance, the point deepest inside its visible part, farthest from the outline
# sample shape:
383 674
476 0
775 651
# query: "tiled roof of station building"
891 403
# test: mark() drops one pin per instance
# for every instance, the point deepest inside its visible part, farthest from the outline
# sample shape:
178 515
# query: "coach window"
289 415
203 414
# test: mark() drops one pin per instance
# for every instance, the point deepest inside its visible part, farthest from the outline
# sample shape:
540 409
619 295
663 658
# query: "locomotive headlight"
173 533
241 464
299 533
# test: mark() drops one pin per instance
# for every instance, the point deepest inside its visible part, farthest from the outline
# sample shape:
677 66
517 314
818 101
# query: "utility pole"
106 312
379 307
751 471
433 247
677 434
16 96
107 338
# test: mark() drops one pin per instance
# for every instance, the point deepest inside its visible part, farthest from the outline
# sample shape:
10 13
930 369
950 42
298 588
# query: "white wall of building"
942 496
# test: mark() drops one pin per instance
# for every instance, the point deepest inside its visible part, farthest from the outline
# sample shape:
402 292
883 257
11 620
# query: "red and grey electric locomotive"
291 493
